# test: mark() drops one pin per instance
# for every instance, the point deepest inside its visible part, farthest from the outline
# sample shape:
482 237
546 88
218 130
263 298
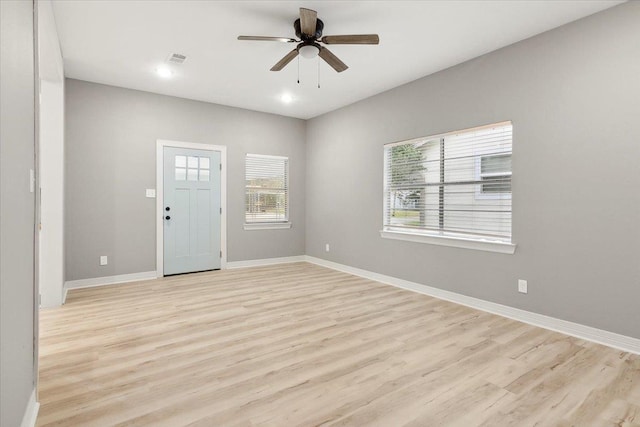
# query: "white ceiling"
121 43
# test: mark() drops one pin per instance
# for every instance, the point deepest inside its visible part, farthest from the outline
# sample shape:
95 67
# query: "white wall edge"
108 280
267 226
599 336
48 304
456 242
266 261
31 412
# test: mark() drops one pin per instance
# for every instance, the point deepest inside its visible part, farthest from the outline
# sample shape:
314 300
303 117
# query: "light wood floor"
302 345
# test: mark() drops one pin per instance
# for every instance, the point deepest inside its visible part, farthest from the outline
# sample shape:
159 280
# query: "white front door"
191 211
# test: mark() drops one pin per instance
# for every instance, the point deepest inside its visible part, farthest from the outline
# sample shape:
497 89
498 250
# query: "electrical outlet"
103 260
522 286
326 247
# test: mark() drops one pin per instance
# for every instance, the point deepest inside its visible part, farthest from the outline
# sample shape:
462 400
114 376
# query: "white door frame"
160 144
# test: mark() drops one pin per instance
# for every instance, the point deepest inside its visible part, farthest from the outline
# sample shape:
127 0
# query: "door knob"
167 217
167 209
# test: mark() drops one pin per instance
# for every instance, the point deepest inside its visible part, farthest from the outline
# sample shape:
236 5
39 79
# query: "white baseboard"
266 261
107 280
31 412
146 275
611 339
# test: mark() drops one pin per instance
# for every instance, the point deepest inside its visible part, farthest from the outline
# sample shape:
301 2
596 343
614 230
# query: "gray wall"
573 95
110 159
16 210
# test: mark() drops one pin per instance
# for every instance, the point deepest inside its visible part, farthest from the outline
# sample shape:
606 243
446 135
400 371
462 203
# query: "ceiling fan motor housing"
308 38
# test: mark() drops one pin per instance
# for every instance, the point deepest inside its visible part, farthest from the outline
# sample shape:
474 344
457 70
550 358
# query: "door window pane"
181 174
192 168
181 161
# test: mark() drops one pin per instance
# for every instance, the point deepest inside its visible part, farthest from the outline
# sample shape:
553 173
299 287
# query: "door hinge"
220 211
220 166
220 254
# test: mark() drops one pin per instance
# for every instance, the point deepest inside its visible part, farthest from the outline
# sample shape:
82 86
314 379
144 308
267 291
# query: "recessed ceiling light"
164 72
286 98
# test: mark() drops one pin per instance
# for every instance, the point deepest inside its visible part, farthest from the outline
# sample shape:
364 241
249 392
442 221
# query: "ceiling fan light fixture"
164 72
309 51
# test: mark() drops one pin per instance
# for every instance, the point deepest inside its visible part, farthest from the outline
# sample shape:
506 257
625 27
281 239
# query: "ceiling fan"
309 31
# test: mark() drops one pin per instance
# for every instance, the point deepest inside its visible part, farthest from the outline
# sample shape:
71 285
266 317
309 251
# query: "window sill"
267 225
457 242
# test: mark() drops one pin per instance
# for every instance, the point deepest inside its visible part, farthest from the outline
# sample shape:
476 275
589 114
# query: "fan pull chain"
318 61
298 69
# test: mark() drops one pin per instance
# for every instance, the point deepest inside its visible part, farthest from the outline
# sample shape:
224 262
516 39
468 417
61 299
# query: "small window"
495 173
456 185
266 189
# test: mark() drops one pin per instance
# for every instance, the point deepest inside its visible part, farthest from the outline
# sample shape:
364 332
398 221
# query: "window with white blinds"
452 185
266 189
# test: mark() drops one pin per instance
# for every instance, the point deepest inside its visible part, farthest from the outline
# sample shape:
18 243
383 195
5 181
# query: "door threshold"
191 272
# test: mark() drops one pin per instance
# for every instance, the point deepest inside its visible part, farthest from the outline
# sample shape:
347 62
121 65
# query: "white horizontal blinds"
459 183
266 188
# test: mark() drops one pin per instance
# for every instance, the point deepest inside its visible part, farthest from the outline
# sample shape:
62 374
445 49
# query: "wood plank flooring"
302 345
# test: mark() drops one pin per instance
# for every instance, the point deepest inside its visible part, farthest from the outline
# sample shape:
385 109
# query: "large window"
266 189
456 185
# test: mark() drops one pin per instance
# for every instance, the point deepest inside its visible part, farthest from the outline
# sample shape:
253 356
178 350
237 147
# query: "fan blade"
284 61
352 39
308 19
268 39
332 60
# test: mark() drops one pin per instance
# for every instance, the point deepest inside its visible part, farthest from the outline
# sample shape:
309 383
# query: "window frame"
270 224
443 237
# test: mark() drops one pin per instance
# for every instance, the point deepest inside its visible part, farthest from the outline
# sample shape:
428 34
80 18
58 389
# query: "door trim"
160 144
